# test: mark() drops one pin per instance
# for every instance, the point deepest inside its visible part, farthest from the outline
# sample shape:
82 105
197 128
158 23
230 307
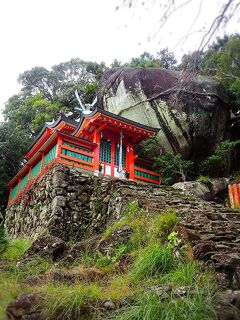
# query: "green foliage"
149 148
145 60
204 179
3 240
173 167
163 59
16 248
218 159
13 142
186 273
173 241
163 224
70 302
153 260
195 306
224 64
10 288
167 59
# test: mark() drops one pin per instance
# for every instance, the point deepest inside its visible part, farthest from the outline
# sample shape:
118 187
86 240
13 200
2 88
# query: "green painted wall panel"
23 182
146 175
76 155
14 192
36 170
50 155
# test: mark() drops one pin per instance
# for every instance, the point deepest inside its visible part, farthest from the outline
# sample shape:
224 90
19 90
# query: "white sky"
47 32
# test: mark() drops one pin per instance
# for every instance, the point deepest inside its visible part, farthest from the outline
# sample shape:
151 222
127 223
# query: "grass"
153 260
196 306
11 284
164 223
16 248
70 302
121 286
156 258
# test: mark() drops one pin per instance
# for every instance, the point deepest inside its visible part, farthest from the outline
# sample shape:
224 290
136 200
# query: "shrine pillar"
130 161
96 139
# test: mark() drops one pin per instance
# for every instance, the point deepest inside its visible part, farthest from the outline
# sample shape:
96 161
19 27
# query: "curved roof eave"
115 116
61 117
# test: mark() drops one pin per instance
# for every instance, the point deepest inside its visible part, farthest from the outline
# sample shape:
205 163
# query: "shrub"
204 179
217 161
172 167
153 260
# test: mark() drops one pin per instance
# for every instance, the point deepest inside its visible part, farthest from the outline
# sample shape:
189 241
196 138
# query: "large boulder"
192 115
205 191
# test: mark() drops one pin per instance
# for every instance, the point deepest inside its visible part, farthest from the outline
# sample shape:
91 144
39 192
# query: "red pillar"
130 161
42 162
112 156
59 147
97 140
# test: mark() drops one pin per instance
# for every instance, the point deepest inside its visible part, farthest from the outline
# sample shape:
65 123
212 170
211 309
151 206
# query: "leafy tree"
31 113
173 168
116 64
224 64
13 143
145 60
217 163
167 59
63 78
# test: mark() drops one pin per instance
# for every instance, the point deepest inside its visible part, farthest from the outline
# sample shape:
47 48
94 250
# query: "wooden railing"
77 156
146 175
234 195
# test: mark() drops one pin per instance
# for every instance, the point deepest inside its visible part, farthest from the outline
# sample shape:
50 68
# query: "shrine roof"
66 125
116 117
62 118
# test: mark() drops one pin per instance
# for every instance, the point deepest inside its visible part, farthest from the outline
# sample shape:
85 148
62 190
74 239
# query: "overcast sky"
47 32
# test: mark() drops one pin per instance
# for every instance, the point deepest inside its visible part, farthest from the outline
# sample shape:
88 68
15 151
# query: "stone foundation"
71 204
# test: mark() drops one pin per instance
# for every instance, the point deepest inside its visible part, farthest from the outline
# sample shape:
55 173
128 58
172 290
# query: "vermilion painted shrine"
100 142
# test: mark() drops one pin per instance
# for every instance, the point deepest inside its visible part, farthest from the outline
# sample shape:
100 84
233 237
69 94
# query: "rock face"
202 190
192 115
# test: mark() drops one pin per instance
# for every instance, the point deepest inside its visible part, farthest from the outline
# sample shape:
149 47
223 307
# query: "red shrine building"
100 142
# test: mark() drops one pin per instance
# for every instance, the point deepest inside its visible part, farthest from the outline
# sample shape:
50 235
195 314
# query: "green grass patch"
164 223
153 260
71 302
196 305
16 248
10 288
121 286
